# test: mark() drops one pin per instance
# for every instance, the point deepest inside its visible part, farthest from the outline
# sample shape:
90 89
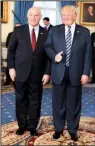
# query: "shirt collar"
31 27
48 25
72 26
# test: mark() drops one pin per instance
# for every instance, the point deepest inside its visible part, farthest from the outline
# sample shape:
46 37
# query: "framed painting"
4 12
87 15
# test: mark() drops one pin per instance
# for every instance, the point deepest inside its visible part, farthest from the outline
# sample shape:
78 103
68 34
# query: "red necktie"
33 39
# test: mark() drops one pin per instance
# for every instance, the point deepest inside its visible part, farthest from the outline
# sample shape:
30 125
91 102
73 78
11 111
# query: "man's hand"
84 79
45 79
59 57
12 74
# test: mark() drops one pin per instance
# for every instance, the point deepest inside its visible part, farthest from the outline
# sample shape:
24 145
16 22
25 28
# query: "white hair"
35 8
69 7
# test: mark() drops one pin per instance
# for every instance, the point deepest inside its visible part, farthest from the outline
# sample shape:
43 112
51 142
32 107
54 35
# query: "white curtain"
50 9
58 15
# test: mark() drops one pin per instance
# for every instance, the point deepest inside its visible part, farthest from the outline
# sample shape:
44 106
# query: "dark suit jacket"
80 59
50 27
93 45
21 56
8 39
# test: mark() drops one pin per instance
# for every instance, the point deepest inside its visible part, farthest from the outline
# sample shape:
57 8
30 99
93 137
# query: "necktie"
68 45
33 39
46 28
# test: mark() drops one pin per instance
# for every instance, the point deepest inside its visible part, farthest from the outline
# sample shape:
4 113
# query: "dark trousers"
66 104
8 79
28 101
93 70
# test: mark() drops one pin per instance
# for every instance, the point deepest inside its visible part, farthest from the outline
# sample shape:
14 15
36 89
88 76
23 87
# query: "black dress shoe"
21 131
74 137
56 135
34 133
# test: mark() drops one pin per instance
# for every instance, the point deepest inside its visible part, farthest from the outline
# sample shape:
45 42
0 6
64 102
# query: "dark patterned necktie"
33 39
68 45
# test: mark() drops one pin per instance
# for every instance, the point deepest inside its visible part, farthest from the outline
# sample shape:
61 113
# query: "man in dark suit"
69 47
7 43
9 35
93 56
47 24
29 67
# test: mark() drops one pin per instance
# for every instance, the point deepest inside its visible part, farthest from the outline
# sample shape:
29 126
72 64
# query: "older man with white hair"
69 47
29 68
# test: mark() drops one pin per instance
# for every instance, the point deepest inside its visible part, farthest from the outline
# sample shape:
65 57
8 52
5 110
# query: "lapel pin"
41 33
78 31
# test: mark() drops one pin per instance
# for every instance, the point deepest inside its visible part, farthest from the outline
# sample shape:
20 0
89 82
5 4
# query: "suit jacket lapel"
62 38
75 38
40 38
28 39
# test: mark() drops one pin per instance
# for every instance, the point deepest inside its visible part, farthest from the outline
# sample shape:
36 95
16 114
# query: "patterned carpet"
87 124
86 134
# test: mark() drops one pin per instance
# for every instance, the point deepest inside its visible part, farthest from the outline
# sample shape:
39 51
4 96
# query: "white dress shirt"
36 29
47 26
72 31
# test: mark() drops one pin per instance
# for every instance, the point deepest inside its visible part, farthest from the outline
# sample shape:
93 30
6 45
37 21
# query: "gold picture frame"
4 12
87 13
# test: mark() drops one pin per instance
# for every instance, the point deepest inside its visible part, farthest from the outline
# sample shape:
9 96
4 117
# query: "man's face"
45 22
68 16
90 9
34 17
